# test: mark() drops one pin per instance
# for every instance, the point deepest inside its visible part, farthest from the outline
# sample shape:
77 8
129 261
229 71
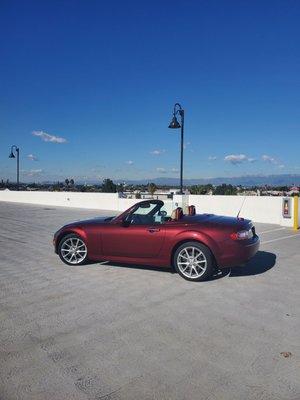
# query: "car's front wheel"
194 261
72 250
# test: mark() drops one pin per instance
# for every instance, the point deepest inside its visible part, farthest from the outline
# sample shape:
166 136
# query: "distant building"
293 190
158 194
249 193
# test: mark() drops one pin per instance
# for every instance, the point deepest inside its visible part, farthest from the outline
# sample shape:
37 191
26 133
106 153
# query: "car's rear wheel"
72 250
194 261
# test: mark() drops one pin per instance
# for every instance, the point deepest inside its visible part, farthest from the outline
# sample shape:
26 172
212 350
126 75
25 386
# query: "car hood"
97 220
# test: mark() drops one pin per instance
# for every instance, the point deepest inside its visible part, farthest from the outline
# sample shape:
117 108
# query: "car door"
133 241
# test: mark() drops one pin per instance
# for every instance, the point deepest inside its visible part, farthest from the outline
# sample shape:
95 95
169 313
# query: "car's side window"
141 219
160 216
144 210
148 215
142 215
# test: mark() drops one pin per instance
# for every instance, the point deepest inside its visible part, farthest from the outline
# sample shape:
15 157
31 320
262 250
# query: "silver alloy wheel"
192 262
73 250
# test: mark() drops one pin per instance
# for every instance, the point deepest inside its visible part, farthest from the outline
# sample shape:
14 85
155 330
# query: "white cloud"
32 172
161 170
212 158
269 159
187 147
174 170
157 152
32 157
252 160
129 162
281 166
47 137
236 158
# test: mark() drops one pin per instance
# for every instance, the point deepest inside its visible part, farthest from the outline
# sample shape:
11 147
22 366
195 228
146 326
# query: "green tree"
67 182
152 188
201 189
108 186
225 190
120 188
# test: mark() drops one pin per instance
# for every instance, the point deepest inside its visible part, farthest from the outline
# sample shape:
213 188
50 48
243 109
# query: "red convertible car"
194 244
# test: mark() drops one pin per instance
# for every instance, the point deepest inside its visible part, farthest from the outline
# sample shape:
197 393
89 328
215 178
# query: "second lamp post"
174 124
14 147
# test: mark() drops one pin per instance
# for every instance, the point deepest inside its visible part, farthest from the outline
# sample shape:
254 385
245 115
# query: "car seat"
177 214
191 210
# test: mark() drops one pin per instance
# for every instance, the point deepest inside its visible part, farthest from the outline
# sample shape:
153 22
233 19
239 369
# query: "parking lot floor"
113 332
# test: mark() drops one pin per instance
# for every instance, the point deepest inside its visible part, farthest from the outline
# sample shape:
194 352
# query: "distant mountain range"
249 180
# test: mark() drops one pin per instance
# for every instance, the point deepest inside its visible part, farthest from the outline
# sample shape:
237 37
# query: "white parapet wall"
104 201
97 201
267 209
257 208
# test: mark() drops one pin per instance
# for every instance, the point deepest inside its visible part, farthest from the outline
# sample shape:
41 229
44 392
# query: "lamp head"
174 124
12 155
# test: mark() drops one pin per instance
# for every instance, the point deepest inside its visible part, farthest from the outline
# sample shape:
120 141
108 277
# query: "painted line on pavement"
272 230
282 238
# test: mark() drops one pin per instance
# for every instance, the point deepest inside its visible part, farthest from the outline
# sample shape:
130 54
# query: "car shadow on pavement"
136 266
259 264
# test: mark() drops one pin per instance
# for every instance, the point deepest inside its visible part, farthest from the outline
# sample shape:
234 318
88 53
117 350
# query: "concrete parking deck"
118 332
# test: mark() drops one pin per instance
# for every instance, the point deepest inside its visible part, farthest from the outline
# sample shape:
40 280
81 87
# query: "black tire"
78 257
202 266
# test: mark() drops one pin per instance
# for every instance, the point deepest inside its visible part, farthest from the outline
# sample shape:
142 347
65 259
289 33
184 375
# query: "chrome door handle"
153 230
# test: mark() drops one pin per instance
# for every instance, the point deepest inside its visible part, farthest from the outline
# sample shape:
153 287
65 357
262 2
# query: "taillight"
242 235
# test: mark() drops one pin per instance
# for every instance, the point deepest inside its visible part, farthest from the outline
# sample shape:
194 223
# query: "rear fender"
201 237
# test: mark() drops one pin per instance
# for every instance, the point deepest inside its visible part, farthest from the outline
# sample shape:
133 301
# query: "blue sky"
103 77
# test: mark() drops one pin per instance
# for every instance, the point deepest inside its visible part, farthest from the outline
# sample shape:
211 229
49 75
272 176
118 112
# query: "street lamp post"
12 155
174 124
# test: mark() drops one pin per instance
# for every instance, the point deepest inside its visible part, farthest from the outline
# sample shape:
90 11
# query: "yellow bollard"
296 213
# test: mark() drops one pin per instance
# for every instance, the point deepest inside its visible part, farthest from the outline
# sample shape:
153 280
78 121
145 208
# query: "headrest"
177 214
191 210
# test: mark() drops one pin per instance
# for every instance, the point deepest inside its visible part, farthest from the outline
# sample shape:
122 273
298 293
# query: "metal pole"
181 153
18 168
174 125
